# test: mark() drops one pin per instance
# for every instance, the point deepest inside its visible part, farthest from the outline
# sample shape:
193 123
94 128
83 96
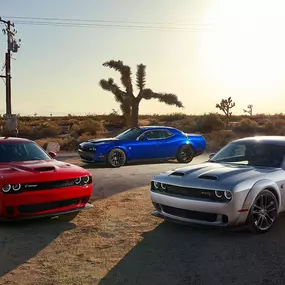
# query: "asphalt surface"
109 181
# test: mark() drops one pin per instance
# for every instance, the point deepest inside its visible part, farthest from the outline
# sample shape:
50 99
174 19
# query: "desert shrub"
218 139
269 128
246 126
89 126
172 117
210 122
187 125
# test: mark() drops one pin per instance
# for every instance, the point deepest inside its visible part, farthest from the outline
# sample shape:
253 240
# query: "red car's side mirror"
52 154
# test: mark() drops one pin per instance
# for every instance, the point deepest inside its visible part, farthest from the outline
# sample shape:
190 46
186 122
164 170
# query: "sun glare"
246 46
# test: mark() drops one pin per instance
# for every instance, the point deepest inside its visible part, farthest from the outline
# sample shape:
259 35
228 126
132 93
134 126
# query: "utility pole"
12 46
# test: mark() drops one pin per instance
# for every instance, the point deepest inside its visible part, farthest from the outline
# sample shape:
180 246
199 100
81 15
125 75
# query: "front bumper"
192 211
90 156
44 202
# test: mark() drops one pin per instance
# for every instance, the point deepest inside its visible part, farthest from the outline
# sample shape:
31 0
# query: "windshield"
130 134
251 153
21 151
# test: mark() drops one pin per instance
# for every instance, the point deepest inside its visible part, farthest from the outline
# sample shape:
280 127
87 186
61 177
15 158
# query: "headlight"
16 187
92 149
156 185
163 186
77 180
219 194
228 195
6 188
85 179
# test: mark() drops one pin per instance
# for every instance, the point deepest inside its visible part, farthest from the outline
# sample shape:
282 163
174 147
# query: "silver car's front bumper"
182 209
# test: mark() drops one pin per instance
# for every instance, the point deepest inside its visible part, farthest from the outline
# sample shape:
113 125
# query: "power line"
78 25
104 21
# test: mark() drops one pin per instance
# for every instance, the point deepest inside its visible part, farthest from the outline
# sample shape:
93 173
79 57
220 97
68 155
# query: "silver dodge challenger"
242 184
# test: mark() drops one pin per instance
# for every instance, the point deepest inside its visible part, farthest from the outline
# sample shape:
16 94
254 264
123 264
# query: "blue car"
143 143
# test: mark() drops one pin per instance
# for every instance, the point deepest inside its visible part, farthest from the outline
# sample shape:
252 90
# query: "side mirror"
52 154
211 155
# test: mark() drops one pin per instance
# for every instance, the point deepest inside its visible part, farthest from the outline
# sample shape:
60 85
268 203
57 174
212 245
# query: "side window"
166 134
239 150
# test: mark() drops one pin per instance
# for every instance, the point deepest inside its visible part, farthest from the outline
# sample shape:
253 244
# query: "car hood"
38 171
210 175
100 141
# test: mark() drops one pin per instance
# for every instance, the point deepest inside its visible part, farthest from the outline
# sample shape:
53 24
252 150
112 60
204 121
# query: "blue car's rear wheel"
185 154
116 158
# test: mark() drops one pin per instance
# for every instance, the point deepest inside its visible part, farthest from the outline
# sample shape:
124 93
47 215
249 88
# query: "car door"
146 146
168 146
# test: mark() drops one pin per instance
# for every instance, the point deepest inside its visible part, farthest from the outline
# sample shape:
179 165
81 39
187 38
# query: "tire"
68 217
116 158
185 154
263 212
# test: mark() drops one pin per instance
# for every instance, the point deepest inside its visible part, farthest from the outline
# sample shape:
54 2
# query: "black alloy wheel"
116 158
185 154
263 212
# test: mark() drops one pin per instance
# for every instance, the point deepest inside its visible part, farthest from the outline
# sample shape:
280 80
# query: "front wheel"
263 212
185 154
116 158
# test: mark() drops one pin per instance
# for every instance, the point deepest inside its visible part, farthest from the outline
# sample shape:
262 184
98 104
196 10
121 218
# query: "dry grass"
82 252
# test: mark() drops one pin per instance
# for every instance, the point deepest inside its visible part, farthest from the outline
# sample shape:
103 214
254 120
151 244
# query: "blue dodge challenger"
143 143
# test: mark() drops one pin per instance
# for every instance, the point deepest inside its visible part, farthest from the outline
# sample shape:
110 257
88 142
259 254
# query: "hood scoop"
43 169
208 177
177 174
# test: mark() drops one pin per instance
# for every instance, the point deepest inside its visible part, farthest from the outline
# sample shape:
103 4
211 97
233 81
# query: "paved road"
109 181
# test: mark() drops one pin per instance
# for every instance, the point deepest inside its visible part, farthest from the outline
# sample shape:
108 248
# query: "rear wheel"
116 158
185 154
263 212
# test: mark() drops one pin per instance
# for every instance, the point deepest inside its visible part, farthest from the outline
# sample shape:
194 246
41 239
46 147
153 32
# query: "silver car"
242 184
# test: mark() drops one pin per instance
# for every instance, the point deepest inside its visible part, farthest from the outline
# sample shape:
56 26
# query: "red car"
34 184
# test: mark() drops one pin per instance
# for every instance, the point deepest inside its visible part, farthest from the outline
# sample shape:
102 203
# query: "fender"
257 188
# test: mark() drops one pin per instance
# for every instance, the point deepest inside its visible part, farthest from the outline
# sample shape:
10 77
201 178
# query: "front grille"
193 215
29 209
48 185
195 193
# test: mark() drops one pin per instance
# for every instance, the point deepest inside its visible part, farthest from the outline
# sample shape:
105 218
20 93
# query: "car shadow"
136 163
181 255
20 241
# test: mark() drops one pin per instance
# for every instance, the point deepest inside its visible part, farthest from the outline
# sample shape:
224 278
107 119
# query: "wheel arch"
264 184
116 147
188 143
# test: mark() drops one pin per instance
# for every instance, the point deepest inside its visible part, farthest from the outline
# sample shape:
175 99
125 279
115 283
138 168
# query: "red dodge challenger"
34 184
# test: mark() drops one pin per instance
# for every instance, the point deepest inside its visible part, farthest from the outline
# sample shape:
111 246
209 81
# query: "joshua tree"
129 103
225 106
249 109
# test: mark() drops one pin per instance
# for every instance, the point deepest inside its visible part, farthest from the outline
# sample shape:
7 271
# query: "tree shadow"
181 255
20 241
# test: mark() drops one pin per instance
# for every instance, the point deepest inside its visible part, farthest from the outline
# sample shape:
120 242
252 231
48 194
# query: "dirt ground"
45 252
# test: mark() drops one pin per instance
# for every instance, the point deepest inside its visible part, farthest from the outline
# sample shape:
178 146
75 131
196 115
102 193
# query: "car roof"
280 140
13 139
156 127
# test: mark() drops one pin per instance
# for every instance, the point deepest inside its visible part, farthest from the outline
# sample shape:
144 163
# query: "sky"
226 48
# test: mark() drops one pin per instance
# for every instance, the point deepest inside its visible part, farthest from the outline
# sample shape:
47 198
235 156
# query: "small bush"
209 123
246 126
218 139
